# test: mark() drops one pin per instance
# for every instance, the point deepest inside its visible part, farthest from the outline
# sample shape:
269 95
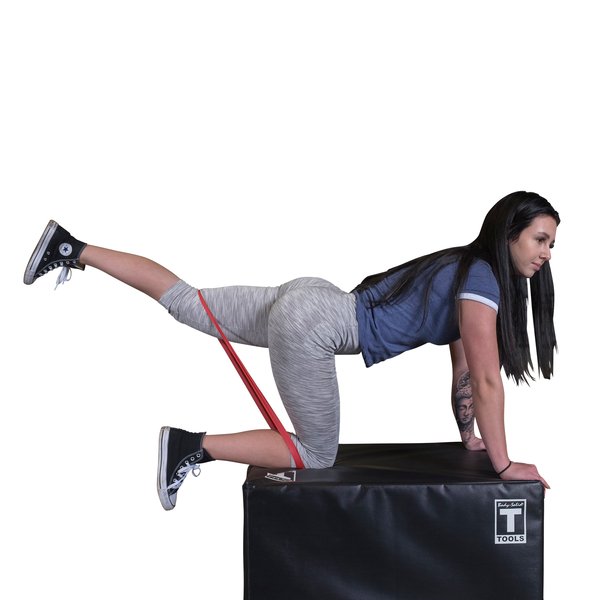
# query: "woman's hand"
474 443
523 471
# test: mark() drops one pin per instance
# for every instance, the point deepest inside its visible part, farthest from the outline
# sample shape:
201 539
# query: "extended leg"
139 272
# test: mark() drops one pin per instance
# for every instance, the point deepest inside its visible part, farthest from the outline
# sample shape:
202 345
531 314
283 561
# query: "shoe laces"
63 276
182 474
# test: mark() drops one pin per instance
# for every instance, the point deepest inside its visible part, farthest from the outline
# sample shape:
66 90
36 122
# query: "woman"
472 298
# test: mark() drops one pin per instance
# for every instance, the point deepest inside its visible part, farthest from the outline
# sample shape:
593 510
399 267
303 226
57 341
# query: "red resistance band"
267 412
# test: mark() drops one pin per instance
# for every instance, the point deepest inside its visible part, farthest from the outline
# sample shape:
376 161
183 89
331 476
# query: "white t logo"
510 514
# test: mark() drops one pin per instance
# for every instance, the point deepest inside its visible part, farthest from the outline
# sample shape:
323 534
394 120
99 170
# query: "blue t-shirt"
387 330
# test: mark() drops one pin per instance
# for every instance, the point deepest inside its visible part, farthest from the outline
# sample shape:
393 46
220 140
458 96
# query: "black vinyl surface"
393 521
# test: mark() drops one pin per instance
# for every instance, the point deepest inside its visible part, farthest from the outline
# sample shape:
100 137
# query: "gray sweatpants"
304 323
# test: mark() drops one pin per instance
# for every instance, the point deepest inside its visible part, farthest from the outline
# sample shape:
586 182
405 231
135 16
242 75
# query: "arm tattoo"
463 406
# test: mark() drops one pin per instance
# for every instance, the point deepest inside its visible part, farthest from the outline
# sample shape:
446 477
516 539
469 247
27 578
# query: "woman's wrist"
508 466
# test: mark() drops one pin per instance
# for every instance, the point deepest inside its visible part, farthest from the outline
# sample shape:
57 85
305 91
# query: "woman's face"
533 246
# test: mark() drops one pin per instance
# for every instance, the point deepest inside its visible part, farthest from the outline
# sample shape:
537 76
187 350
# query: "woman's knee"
183 304
321 457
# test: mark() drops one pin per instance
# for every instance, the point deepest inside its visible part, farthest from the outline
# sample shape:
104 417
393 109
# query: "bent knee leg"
303 364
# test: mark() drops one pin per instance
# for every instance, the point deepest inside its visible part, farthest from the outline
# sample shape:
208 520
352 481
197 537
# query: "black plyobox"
393 522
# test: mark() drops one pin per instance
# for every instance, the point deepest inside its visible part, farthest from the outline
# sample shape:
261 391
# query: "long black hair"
503 224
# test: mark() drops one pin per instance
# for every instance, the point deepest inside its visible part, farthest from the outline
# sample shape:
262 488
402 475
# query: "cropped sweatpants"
304 323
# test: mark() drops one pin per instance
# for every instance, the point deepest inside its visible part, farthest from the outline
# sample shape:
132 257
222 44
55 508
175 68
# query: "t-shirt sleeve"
481 285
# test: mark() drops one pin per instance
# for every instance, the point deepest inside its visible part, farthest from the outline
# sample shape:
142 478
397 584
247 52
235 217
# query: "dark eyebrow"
545 235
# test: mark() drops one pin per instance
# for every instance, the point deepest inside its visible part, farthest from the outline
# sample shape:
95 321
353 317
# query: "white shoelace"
63 276
182 473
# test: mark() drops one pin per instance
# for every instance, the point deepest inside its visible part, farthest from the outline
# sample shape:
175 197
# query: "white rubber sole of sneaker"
161 478
38 253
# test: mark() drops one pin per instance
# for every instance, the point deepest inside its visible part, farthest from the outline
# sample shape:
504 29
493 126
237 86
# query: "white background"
254 142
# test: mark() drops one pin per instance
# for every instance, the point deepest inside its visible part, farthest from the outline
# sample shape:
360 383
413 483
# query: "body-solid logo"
511 521
283 476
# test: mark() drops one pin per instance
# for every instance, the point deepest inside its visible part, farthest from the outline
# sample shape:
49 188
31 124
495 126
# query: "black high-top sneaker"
179 452
56 248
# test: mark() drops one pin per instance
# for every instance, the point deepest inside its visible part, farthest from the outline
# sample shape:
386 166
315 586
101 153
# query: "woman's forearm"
462 406
488 400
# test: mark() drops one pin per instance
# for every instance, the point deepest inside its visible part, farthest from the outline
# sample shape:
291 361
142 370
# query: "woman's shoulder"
479 266
481 281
